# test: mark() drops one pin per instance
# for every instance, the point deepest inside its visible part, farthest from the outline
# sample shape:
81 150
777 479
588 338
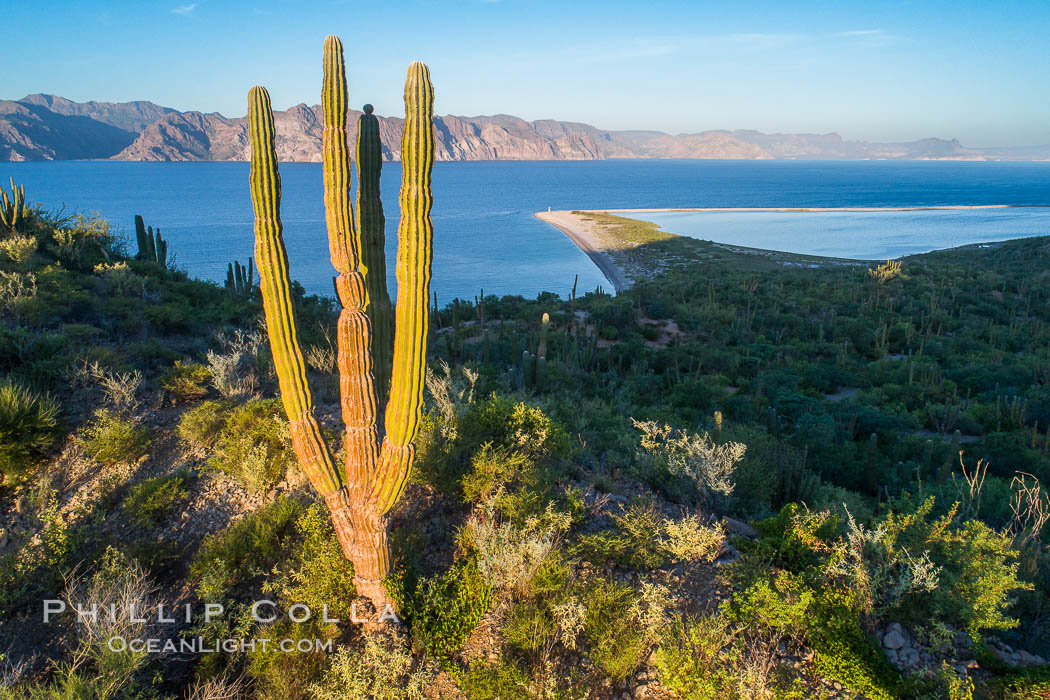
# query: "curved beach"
582 233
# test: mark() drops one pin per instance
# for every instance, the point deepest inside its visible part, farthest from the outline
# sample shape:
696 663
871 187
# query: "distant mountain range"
46 127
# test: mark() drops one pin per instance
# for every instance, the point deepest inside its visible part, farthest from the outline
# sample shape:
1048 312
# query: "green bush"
695 657
494 681
201 426
773 607
636 543
249 547
287 675
152 500
28 427
846 653
617 643
514 426
249 441
442 610
186 381
538 621
317 574
490 468
111 438
383 670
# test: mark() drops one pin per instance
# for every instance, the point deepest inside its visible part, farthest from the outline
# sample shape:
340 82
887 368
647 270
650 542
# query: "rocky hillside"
46 127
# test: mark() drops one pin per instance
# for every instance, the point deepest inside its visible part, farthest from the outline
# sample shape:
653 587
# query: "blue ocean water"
486 236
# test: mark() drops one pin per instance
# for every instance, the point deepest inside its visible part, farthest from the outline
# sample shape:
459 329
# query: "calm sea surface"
486 236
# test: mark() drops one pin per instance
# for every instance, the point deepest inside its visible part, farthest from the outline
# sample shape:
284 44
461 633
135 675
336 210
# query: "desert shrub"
186 381
254 446
620 628
473 448
494 681
317 574
288 675
28 427
234 370
978 568
383 670
94 669
773 606
709 466
845 653
249 441
118 387
550 613
39 564
514 426
18 249
690 540
201 426
508 553
117 581
244 550
112 439
490 468
442 610
644 538
16 287
152 500
1023 684
696 656
121 280
635 543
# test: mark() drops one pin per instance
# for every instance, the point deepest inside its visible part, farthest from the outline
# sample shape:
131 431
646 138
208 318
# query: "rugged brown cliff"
46 127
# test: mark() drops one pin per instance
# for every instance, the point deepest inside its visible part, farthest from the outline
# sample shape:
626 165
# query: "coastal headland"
626 249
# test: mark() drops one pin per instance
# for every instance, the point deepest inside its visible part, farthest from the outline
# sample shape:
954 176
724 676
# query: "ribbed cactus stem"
354 336
275 284
375 473
415 236
13 209
371 231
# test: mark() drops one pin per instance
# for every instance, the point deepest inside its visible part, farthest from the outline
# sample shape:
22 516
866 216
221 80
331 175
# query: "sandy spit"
582 233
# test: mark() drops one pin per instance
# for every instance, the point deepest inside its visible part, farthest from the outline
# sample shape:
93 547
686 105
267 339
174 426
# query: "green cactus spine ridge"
415 251
377 466
371 230
13 209
274 282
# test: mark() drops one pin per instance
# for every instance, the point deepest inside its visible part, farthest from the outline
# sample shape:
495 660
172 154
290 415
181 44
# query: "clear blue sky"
973 69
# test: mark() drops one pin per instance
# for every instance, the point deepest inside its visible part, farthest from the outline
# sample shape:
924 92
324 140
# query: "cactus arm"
6 210
275 284
140 235
371 225
414 254
354 336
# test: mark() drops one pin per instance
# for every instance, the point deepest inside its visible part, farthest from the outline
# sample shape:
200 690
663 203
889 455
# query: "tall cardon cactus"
378 457
371 231
13 209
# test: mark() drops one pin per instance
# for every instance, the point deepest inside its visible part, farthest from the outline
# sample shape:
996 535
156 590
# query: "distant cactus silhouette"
377 466
152 247
13 209
239 280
